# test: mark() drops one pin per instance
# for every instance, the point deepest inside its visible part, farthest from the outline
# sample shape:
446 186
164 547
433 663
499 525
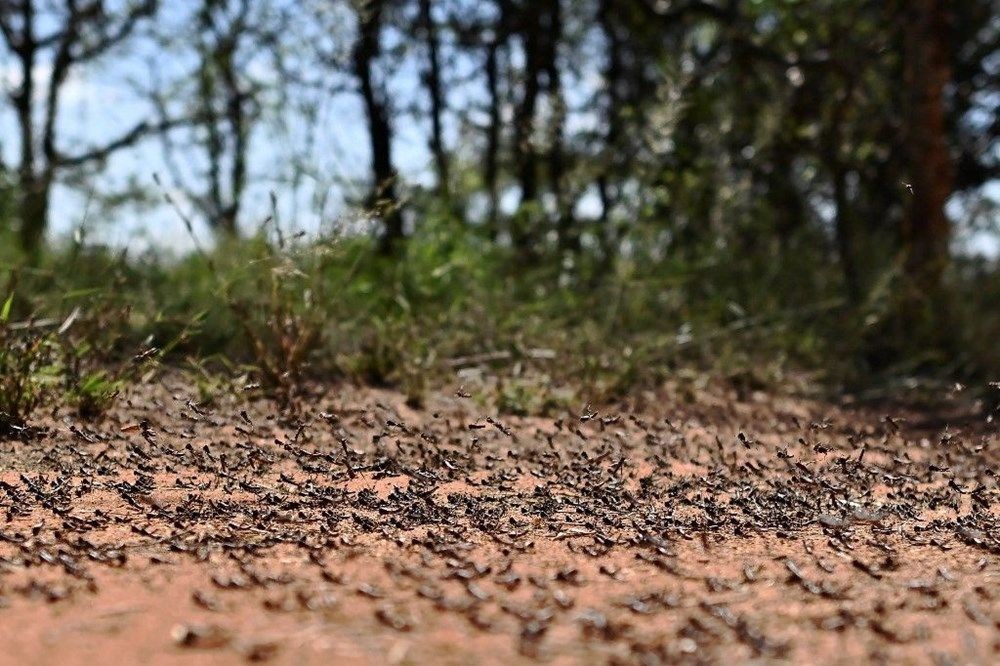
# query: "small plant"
534 395
92 381
279 320
209 382
272 298
94 394
27 370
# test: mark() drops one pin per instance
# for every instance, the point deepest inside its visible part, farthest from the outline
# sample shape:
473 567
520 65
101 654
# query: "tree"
235 49
382 200
63 36
227 106
484 36
926 27
538 27
433 82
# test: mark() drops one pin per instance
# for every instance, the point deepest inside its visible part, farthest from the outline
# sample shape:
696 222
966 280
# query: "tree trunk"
613 167
382 200
432 79
566 227
927 71
846 234
33 212
237 119
525 155
491 166
33 203
785 199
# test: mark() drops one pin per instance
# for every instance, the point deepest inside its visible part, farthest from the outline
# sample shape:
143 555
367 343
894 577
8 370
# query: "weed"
531 395
94 394
280 318
28 369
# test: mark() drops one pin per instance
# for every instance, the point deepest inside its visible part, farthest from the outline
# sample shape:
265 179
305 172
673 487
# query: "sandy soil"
361 531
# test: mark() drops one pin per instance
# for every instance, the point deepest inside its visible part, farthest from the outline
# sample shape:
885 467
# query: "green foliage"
534 395
455 301
94 394
28 369
273 299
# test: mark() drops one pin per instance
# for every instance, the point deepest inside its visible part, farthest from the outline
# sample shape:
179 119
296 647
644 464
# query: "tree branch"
126 140
119 34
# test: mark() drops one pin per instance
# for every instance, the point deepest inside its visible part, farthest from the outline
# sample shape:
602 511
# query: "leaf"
5 310
94 383
69 320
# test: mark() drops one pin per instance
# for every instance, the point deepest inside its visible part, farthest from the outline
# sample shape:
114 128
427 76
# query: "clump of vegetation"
283 314
27 369
273 300
94 394
76 360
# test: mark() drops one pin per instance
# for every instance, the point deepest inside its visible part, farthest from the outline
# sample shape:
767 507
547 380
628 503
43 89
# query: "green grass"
28 368
546 333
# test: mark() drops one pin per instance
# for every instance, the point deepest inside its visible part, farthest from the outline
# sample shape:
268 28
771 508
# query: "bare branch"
139 132
118 34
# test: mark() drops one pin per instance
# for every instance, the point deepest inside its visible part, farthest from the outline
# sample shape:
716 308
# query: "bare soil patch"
362 531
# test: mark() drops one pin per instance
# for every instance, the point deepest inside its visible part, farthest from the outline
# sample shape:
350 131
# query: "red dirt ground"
361 531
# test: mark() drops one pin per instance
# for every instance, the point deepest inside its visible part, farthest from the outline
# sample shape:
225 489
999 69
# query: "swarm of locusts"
356 527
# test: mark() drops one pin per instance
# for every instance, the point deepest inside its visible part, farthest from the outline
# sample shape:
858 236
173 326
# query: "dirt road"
360 531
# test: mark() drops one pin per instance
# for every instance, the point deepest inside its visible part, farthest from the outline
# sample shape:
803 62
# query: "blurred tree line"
577 132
